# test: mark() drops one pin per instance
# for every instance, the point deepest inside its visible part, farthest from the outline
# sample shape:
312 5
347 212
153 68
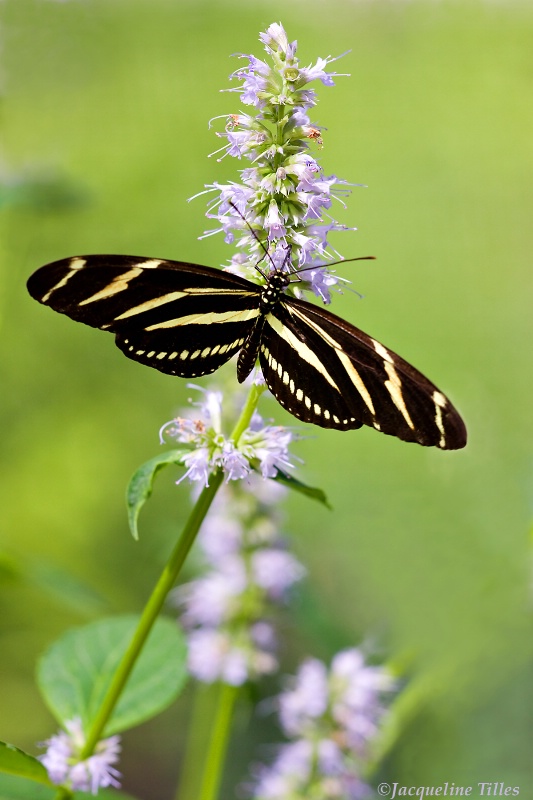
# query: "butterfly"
187 320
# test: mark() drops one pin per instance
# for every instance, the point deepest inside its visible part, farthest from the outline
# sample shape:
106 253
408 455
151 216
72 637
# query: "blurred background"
105 106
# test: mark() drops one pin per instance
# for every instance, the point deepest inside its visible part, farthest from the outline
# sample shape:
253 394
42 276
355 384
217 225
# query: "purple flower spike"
284 193
226 611
331 718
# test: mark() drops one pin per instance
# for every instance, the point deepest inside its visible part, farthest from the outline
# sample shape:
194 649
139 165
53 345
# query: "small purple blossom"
266 446
62 760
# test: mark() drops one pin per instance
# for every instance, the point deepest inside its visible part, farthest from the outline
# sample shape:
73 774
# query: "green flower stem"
151 611
164 585
247 412
63 794
199 725
218 744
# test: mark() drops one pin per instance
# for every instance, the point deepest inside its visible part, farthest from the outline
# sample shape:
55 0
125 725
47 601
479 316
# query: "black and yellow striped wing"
187 320
182 319
325 371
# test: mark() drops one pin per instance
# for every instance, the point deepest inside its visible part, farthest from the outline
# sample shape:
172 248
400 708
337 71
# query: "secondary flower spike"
227 612
331 717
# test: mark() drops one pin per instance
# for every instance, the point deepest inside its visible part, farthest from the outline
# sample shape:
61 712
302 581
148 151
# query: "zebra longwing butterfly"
187 320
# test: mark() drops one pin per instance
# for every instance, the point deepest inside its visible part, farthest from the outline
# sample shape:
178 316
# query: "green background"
425 556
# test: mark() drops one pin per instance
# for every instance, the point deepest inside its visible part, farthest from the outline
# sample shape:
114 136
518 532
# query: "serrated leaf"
141 483
310 491
75 672
16 762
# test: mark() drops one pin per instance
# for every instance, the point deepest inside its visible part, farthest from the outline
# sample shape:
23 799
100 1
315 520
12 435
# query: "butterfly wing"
325 371
180 318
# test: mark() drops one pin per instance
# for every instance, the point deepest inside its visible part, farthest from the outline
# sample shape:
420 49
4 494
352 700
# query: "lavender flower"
225 612
284 194
332 717
62 760
265 446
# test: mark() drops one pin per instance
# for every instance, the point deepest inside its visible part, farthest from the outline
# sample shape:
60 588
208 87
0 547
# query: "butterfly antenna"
334 263
258 240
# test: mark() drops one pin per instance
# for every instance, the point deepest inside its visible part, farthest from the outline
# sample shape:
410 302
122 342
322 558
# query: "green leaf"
141 484
16 762
14 788
75 672
105 794
310 491
67 589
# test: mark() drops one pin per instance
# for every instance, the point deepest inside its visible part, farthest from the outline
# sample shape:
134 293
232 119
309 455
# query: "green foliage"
429 550
75 672
141 484
15 788
291 482
15 762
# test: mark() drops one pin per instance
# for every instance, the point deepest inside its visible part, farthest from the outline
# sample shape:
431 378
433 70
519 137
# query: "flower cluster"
227 611
331 716
279 206
264 446
62 760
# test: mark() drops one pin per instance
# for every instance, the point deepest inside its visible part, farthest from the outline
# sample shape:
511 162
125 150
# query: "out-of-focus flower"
331 716
62 760
226 611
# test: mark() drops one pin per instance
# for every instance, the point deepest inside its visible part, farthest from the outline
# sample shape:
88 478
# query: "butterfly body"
187 320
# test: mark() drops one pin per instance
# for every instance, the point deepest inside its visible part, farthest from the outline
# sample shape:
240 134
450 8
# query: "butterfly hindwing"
197 350
299 370
378 387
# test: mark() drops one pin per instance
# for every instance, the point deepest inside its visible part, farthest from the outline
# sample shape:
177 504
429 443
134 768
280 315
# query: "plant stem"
164 585
247 412
151 611
63 794
219 743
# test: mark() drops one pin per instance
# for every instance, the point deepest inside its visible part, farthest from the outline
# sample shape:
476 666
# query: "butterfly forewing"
182 319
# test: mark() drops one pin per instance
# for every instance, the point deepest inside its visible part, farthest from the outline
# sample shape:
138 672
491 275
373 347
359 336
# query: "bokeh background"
105 106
